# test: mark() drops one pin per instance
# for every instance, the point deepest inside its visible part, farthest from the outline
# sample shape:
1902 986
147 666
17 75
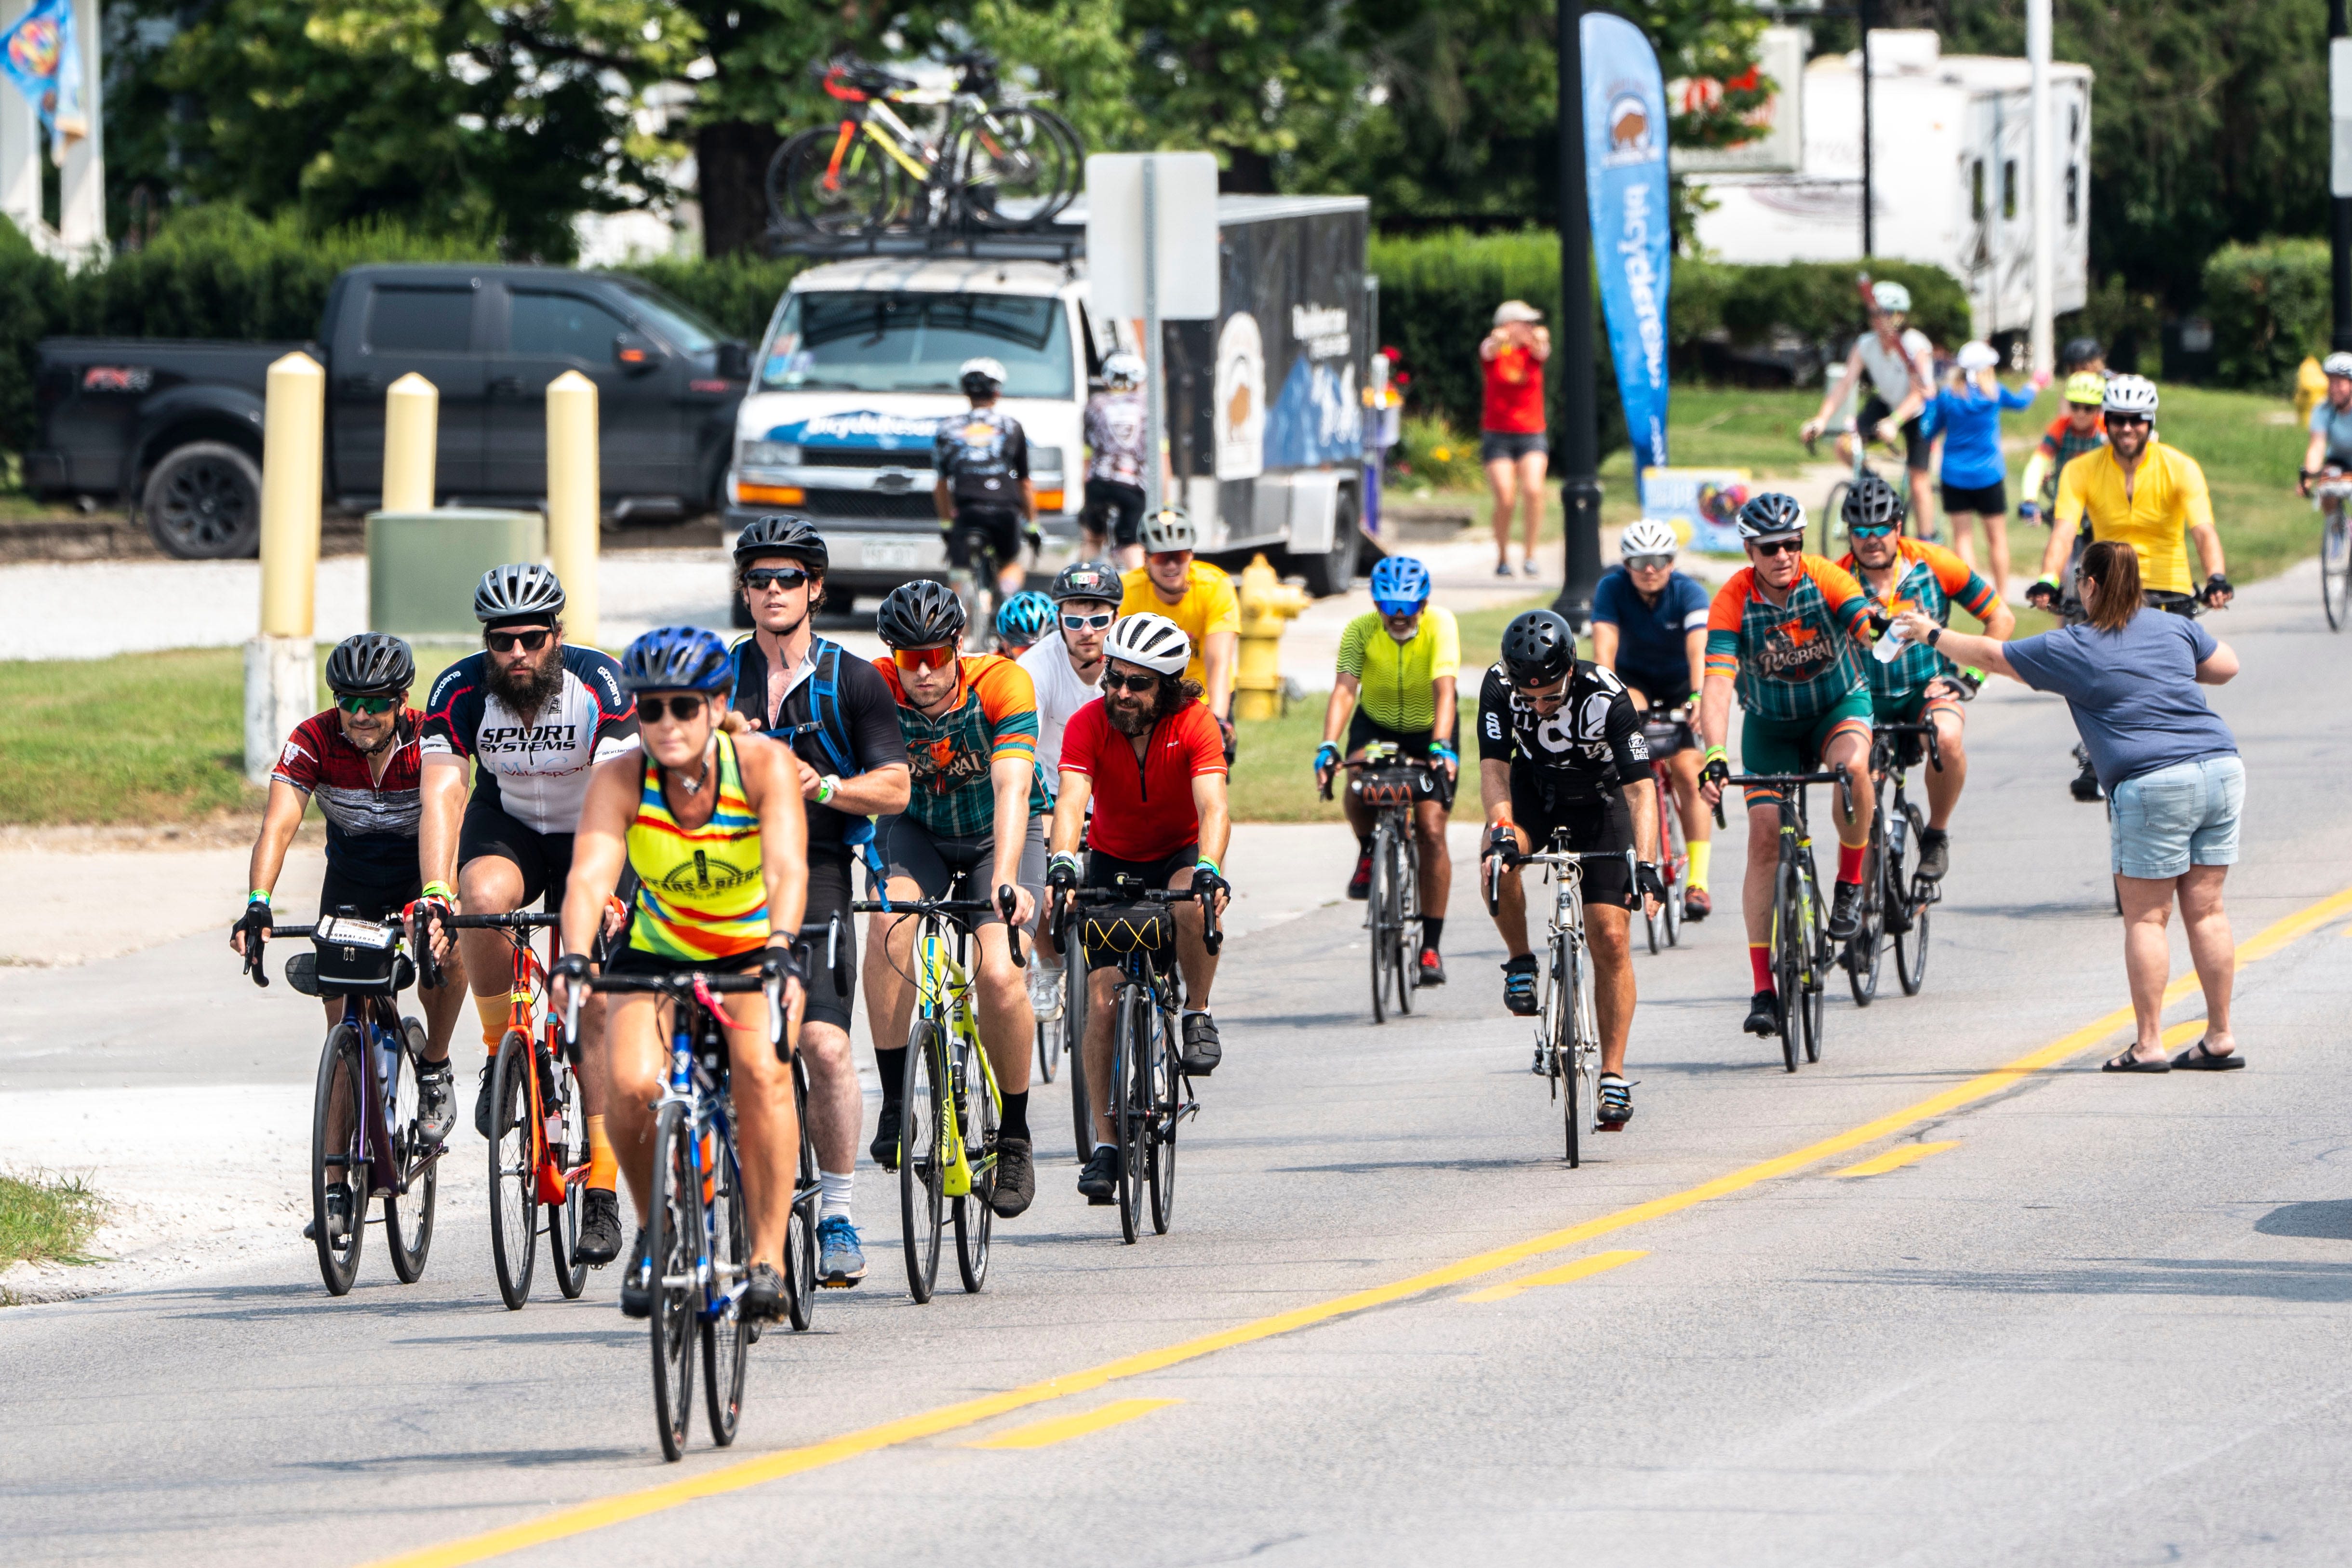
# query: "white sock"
834 1200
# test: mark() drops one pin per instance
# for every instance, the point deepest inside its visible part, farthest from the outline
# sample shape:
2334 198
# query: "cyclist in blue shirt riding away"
1649 625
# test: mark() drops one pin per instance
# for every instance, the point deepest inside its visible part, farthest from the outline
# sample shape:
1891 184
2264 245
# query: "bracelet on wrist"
436 891
258 896
1205 864
1713 752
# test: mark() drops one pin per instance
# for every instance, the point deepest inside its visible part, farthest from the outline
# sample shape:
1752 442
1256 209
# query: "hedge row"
2270 306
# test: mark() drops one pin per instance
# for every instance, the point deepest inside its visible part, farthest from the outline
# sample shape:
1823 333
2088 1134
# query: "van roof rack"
1056 243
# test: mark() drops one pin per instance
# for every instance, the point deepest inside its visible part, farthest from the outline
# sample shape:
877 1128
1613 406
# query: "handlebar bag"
356 955
1127 928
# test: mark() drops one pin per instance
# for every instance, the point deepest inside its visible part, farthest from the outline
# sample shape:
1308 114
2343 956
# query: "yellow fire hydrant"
2310 387
1267 606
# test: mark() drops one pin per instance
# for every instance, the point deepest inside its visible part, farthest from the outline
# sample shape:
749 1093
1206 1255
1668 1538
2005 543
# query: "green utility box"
423 566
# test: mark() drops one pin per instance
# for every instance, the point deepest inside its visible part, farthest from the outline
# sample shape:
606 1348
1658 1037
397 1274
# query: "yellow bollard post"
1267 606
281 683
412 426
573 500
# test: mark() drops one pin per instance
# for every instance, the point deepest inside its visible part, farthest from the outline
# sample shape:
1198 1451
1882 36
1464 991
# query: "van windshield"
849 341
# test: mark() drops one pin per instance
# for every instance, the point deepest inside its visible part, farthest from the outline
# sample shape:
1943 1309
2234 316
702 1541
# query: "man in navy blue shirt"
1649 625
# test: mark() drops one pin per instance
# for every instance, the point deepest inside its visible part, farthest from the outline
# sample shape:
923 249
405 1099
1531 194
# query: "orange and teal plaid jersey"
993 716
1930 579
1795 660
701 893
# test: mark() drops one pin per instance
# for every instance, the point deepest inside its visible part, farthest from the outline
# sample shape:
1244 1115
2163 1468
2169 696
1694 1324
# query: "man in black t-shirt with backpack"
982 459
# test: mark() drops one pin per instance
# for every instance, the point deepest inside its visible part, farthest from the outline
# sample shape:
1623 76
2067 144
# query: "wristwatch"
1934 633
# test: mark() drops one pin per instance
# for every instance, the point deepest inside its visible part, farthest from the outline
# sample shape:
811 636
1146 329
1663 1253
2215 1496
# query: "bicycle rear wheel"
1789 960
1015 168
673 1237
1674 846
975 1215
922 1170
1131 1087
408 1216
2336 570
1166 1100
514 1174
1375 919
1863 953
841 183
800 1230
726 1336
339 1161
570 1153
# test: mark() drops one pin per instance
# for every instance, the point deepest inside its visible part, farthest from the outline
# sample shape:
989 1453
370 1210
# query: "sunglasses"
1775 546
653 709
1649 562
922 659
1875 531
2128 421
1167 557
1141 684
1400 612
504 642
762 578
367 704
1093 622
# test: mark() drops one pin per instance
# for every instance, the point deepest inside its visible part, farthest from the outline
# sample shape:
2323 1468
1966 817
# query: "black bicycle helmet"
1771 515
1872 503
922 614
1537 648
2078 353
372 664
677 658
781 534
1086 580
522 589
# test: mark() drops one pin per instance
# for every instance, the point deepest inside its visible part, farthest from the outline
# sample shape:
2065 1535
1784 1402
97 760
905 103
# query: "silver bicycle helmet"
1771 516
1123 370
1170 529
522 588
2131 395
1648 536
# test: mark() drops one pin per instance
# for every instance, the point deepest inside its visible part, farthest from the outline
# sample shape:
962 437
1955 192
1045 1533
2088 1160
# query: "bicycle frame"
943 995
375 1015
552 1181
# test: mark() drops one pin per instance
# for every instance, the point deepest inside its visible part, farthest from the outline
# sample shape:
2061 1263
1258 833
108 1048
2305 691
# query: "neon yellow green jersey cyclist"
1396 681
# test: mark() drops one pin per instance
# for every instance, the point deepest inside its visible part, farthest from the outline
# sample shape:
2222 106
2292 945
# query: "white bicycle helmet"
1123 370
1151 642
2337 363
982 369
1648 537
1170 529
2129 395
1892 297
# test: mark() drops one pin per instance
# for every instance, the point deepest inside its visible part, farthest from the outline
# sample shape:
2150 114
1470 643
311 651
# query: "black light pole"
1579 435
2339 214
1865 11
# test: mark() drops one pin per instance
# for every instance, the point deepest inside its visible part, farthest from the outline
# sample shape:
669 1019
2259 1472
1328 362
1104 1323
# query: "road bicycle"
976 582
950 1106
698 1240
2334 549
1389 783
823 943
538 1126
364 1121
989 164
1895 898
1833 507
1150 1094
1668 734
1801 943
1567 1030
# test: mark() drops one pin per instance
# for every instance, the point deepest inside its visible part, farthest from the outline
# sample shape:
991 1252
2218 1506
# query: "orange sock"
603 1171
494 1011
1760 959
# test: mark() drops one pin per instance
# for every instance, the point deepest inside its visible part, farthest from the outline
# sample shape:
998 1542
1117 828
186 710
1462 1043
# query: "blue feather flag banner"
42 55
1632 227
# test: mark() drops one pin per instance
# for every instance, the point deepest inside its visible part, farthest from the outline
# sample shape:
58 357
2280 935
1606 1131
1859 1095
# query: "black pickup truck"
174 427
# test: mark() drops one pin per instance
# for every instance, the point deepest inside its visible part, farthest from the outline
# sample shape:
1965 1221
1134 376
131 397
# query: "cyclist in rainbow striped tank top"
713 826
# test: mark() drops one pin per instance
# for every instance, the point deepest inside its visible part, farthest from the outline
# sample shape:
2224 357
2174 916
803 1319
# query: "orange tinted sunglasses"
922 659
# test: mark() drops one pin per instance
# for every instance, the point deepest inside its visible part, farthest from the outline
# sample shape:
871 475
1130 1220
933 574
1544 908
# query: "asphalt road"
2096 1319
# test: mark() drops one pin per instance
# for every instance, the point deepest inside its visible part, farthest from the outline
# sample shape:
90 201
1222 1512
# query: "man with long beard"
534 717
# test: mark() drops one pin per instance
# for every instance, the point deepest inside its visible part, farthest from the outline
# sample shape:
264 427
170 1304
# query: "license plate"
891 553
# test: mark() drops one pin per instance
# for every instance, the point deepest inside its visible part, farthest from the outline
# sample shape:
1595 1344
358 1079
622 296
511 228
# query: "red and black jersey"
371 822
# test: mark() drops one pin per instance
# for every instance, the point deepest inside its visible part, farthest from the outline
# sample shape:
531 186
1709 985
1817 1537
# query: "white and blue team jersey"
534 767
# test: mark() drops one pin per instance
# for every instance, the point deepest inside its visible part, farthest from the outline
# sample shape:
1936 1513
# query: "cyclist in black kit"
983 458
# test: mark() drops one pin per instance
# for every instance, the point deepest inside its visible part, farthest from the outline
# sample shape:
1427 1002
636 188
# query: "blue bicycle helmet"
1399 583
678 658
1025 618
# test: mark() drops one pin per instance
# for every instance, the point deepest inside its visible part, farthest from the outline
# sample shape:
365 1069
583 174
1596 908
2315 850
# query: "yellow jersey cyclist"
1918 685
1200 599
1398 670
2137 491
1649 627
711 824
1789 633
1560 750
974 822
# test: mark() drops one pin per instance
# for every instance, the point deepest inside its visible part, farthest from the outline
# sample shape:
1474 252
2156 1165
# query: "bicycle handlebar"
1213 936
1935 751
690 985
520 920
1775 781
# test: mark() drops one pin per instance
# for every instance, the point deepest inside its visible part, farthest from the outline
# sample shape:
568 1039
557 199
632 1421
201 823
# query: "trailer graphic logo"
1239 415
867 429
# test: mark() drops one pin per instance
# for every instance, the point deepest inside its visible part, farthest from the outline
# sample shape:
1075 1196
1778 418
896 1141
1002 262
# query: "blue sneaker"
840 1261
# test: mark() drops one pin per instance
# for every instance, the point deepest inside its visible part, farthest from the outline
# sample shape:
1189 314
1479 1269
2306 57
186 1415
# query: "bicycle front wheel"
571 1153
800 1230
514 1171
1073 1034
837 182
339 1160
1673 847
1376 920
408 1214
1568 981
1789 959
1132 1090
1404 897
2336 569
1167 1101
673 1238
1863 953
922 1159
1819 956
974 1216
726 1336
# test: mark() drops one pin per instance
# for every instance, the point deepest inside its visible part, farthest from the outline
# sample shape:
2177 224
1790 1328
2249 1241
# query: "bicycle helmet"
1153 642
1871 504
2337 363
513 592
1771 515
1170 529
781 533
982 377
677 658
2087 387
1648 536
1025 618
1891 296
1123 370
1086 580
2081 351
1539 647
2131 395
372 664
921 613
1400 585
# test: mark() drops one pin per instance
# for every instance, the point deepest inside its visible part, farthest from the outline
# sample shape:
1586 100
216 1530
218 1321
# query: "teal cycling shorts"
1795 745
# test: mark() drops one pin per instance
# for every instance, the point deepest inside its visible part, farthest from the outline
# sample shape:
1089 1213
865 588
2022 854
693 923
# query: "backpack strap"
833 729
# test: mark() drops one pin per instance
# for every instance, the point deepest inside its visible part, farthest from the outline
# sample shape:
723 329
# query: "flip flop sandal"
2126 1062
2197 1059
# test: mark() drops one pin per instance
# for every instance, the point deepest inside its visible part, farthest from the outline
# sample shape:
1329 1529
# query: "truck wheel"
1334 572
203 503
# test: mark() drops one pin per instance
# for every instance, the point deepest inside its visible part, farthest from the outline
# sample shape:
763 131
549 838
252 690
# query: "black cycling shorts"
945 867
1105 872
543 859
1115 511
1001 528
1917 443
1985 500
1593 826
828 895
339 893
1431 784
629 959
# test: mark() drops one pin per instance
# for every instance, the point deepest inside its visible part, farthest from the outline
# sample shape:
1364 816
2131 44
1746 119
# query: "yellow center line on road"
1045 1434
1896 1159
581 1518
1566 1273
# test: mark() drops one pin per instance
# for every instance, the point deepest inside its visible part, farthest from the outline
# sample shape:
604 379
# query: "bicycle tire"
1788 964
2336 570
1049 1043
570 1153
800 1228
1031 153
1821 954
864 195
1074 1024
1835 499
922 1175
338 1080
514 1159
1376 905
1911 967
975 1214
726 1334
1408 925
672 1237
1131 1087
408 1215
1674 846
1563 1045
1863 953
1168 1100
